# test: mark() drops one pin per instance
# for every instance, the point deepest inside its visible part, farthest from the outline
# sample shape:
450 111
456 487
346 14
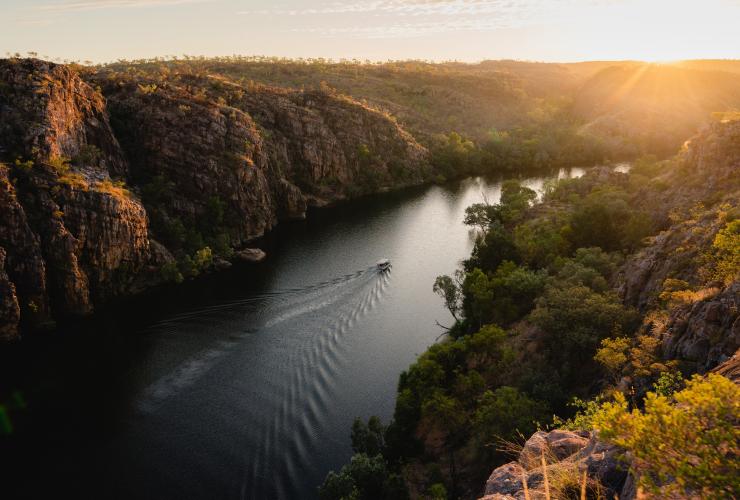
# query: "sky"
464 30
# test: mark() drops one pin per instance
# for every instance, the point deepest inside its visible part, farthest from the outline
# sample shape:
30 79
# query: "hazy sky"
470 30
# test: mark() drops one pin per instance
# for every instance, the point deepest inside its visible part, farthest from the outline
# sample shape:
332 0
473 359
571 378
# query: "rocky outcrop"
567 455
703 329
190 155
705 333
89 182
10 312
251 255
674 253
24 262
730 368
263 153
72 237
48 111
332 146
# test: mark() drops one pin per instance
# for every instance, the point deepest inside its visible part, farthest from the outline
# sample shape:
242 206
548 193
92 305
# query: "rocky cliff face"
10 312
705 186
68 232
264 153
48 112
91 186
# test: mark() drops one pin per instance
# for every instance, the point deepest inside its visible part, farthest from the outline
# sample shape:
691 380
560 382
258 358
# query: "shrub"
114 188
684 446
726 252
170 273
368 438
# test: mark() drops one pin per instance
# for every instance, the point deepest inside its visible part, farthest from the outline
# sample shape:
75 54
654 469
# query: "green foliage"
24 166
60 164
612 355
364 478
503 296
646 166
726 252
541 241
445 383
437 491
515 199
171 273
668 383
453 156
605 219
574 320
492 248
449 289
368 438
583 419
505 413
481 215
215 210
682 446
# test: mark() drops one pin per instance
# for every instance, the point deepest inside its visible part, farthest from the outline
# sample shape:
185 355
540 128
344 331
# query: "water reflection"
245 385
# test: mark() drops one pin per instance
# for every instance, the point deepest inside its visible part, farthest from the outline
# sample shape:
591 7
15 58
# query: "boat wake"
267 381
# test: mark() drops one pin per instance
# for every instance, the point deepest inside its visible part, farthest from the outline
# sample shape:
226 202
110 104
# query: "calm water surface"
245 384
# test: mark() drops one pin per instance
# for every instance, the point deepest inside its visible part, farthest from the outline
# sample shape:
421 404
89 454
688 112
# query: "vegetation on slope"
539 114
540 322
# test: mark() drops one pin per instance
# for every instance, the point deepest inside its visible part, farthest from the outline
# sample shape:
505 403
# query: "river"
244 384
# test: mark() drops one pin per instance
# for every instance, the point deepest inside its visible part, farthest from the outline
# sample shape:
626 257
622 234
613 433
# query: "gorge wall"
106 181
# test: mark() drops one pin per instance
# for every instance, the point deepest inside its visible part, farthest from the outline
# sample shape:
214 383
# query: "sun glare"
657 31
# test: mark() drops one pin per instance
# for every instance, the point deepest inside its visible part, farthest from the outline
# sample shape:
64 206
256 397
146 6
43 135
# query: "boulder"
506 480
564 451
250 255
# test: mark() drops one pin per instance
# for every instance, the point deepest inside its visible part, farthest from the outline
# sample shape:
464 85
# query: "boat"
383 264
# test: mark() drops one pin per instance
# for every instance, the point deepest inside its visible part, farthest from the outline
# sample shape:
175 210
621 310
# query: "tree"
613 356
449 289
481 215
503 413
368 438
492 248
574 320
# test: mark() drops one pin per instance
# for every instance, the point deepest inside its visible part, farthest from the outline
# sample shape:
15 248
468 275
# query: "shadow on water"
241 384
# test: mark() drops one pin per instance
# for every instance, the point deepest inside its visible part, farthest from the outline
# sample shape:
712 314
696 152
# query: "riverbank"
227 359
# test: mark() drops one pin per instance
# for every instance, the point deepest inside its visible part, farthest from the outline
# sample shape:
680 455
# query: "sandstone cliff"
703 329
108 177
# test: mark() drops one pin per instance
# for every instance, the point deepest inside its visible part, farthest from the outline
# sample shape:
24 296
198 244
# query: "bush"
170 273
368 438
726 252
684 446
